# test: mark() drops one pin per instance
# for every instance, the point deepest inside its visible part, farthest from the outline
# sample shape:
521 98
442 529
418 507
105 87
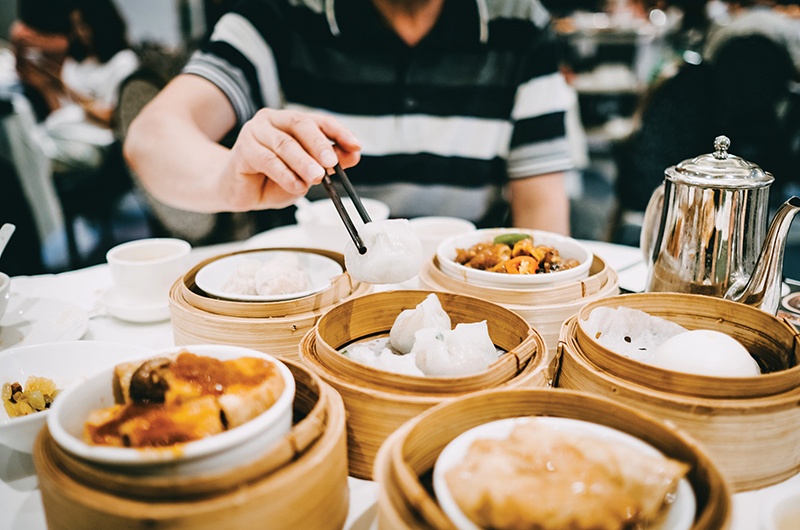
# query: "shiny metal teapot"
704 230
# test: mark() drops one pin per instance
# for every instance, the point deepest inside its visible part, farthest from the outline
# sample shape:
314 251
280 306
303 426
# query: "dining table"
21 505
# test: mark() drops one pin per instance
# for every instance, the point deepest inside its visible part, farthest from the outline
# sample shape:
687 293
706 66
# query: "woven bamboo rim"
755 441
277 336
341 287
773 342
372 316
563 292
373 413
408 456
310 411
308 491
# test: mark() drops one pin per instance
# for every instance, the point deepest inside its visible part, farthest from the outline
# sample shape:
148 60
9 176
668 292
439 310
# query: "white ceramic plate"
236 446
67 364
568 248
37 320
212 277
679 517
131 311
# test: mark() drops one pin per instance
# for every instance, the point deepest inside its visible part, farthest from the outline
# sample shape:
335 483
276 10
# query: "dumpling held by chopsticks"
394 253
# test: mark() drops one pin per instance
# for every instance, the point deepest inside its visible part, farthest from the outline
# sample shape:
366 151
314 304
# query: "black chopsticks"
340 209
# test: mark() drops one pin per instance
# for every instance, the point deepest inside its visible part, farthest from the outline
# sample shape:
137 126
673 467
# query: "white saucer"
37 320
131 311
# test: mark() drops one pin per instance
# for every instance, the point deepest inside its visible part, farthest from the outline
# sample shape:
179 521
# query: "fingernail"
328 158
355 141
314 171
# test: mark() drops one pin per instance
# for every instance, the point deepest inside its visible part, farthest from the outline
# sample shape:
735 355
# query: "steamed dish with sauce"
184 397
541 477
394 253
283 274
513 254
422 343
660 342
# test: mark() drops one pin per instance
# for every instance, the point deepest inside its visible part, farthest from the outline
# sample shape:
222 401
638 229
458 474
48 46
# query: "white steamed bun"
706 352
394 253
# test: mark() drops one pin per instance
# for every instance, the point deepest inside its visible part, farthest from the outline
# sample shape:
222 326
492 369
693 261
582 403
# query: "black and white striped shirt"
443 124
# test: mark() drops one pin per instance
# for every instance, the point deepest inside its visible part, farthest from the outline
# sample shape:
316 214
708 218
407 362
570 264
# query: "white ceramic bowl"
5 292
320 269
67 364
236 446
322 223
679 517
568 248
435 229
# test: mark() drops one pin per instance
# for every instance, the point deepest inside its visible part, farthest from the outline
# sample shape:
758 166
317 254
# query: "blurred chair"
23 255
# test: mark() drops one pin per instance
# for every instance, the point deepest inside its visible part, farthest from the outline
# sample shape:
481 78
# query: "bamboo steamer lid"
271 327
755 441
377 401
771 341
301 481
405 461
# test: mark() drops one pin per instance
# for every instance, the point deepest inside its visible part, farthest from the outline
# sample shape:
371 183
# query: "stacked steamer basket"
274 327
751 425
405 463
378 401
545 305
299 482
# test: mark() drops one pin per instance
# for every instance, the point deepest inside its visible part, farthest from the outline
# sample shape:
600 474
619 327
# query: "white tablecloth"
20 500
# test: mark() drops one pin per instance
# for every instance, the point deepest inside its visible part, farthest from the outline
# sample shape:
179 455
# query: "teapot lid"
719 170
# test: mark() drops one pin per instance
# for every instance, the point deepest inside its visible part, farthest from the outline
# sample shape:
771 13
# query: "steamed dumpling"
706 352
394 253
427 314
467 349
281 275
242 281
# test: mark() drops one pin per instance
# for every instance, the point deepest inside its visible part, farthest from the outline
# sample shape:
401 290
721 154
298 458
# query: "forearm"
541 203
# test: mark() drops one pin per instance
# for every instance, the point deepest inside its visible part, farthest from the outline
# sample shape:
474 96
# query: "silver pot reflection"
704 231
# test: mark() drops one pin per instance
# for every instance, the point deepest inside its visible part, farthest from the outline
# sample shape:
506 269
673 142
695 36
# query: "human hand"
279 154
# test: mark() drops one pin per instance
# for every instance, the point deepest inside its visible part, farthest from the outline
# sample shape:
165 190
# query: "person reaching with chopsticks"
438 107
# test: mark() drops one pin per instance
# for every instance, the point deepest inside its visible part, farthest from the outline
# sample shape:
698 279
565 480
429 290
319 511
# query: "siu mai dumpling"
427 314
394 253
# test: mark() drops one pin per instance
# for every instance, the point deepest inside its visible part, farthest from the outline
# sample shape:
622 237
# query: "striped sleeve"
241 64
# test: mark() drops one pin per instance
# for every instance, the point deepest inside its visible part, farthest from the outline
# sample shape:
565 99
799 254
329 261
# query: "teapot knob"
721 145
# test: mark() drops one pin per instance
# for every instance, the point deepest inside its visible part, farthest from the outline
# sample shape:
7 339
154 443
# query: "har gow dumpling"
394 253
467 349
427 314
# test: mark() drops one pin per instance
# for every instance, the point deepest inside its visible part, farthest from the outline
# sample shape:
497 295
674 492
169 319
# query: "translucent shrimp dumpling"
394 253
467 349
427 314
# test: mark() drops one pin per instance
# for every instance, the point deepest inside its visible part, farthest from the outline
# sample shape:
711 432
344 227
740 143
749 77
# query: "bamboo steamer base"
404 463
309 491
754 441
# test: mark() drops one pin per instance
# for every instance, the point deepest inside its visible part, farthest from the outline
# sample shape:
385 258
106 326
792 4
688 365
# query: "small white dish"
67 364
237 446
122 308
320 269
568 248
37 320
679 517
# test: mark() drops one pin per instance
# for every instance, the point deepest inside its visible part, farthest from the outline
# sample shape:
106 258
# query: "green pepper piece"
510 239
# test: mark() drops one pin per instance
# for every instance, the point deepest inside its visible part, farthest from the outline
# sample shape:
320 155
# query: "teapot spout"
763 289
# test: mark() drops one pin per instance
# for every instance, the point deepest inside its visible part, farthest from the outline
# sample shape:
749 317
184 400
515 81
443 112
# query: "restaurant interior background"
615 54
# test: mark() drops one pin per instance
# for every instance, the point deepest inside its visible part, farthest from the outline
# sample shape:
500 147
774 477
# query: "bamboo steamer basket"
405 462
271 327
545 309
377 402
754 438
300 482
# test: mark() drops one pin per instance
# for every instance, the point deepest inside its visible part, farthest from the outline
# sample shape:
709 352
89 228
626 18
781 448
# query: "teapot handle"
651 224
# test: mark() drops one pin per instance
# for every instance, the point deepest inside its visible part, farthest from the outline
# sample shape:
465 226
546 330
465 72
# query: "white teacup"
433 230
5 292
144 270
